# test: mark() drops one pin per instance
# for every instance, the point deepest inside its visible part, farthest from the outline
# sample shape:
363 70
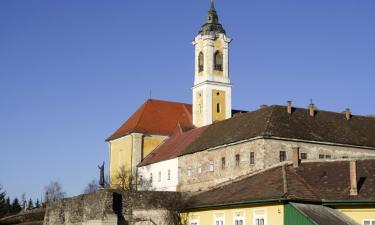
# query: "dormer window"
200 62
218 61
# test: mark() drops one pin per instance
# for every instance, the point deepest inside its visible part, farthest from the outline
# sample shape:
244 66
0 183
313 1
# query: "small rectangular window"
239 219
219 219
159 177
151 177
259 221
169 174
211 166
218 108
189 172
328 156
199 169
321 156
223 163
282 156
345 157
303 155
369 222
237 159
252 158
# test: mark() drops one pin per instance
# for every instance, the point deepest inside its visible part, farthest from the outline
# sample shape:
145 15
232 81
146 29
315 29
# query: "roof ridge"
325 111
174 102
304 182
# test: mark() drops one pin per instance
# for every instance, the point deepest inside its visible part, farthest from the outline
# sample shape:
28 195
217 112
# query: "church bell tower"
212 87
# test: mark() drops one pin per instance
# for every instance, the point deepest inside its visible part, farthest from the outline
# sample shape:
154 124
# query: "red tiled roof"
172 147
269 184
321 180
156 117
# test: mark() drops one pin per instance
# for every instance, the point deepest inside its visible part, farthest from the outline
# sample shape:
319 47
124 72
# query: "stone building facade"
203 170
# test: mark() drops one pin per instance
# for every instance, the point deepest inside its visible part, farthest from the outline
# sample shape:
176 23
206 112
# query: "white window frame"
211 166
189 172
243 217
263 216
199 168
169 174
217 218
368 220
194 221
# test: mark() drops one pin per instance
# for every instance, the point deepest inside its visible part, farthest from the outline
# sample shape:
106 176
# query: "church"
259 167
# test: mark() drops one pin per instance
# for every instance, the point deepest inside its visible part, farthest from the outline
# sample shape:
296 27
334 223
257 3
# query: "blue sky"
72 71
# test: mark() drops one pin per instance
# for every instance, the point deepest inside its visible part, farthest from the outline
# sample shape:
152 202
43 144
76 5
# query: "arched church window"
218 61
200 62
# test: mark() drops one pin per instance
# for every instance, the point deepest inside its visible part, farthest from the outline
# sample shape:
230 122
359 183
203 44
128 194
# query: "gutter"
241 203
282 200
347 202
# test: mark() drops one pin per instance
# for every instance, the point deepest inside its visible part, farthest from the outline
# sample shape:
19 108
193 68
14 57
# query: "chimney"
289 107
348 114
312 110
353 178
296 160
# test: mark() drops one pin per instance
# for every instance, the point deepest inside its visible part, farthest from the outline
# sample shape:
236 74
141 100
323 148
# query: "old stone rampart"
108 207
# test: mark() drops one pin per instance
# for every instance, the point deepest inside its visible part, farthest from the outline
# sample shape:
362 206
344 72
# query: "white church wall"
164 175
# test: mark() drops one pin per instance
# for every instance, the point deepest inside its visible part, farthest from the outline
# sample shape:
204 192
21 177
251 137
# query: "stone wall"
151 217
108 207
207 178
266 153
95 208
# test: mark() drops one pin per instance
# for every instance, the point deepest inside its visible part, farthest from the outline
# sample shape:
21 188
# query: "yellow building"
320 192
146 129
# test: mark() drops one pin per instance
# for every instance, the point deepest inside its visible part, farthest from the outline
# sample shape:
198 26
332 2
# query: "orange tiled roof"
173 146
156 117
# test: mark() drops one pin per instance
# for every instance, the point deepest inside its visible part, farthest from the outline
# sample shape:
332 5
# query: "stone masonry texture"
266 152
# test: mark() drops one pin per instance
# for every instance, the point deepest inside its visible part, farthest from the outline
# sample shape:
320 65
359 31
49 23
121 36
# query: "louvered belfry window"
218 61
200 62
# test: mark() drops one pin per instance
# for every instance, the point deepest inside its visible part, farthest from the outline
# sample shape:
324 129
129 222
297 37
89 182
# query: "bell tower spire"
212 5
212 87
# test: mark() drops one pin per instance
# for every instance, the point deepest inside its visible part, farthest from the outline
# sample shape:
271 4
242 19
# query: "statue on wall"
101 178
